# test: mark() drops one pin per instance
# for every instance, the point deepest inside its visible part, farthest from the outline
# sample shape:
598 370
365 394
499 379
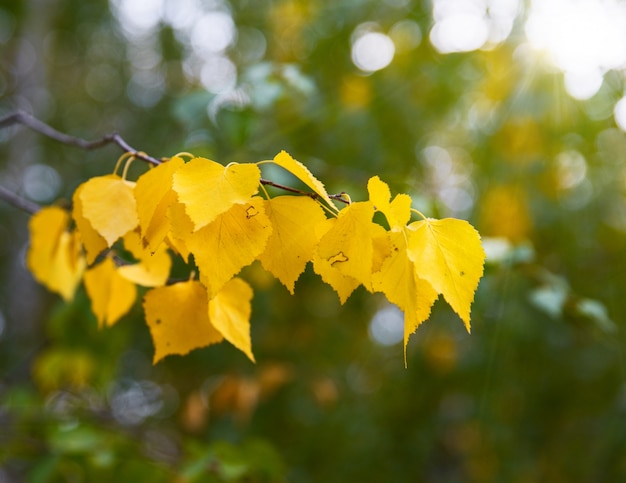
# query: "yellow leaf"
343 284
54 256
232 241
153 194
229 312
178 318
397 279
291 244
152 270
93 242
111 295
181 228
300 171
397 212
208 189
109 205
348 245
381 245
448 254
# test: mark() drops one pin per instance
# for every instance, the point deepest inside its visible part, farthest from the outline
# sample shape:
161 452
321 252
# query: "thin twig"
22 117
18 201
315 196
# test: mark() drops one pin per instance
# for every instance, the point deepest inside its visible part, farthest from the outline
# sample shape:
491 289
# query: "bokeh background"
507 113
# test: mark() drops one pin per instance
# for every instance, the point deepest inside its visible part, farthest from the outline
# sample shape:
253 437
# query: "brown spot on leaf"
339 258
251 211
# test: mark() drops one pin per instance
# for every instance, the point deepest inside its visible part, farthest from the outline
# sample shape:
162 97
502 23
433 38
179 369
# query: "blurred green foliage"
536 393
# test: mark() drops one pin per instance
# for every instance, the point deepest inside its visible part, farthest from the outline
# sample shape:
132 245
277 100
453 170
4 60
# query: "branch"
25 119
315 196
22 117
19 202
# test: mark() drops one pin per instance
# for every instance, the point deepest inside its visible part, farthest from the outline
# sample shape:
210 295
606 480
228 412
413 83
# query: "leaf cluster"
223 219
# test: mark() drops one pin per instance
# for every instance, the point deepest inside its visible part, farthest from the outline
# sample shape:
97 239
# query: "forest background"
509 114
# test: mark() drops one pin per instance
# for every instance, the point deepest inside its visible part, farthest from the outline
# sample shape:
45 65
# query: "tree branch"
25 119
315 196
19 202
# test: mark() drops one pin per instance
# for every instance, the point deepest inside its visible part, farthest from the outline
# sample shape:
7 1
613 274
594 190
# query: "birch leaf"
109 205
300 171
398 211
208 189
153 195
229 312
328 269
153 268
54 255
292 242
181 228
111 295
448 254
348 244
178 318
398 280
232 241
93 242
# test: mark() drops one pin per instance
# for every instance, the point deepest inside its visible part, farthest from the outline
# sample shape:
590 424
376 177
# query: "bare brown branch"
25 119
19 202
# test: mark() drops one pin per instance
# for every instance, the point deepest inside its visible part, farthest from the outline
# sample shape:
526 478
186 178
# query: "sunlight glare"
466 25
584 39
620 113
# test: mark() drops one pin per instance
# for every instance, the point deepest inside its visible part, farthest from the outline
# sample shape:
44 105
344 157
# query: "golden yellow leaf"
398 211
348 244
229 312
109 205
111 295
208 189
343 284
300 171
178 318
93 242
381 245
55 255
232 241
448 254
292 242
153 194
181 228
398 280
152 270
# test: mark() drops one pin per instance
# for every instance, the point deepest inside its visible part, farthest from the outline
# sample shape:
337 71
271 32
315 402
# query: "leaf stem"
419 213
